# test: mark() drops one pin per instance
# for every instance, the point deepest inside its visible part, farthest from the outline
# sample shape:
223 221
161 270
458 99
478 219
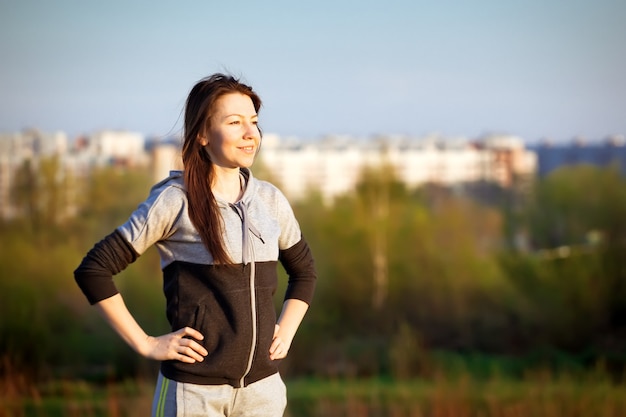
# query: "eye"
234 122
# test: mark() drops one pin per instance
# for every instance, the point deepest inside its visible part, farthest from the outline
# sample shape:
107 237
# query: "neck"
227 185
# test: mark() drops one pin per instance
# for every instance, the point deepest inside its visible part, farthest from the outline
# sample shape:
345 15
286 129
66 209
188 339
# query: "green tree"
574 282
574 204
25 194
108 195
373 208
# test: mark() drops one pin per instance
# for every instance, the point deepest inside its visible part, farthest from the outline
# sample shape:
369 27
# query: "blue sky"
537 69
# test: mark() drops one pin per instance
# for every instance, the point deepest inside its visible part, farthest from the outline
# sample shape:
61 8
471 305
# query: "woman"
220 234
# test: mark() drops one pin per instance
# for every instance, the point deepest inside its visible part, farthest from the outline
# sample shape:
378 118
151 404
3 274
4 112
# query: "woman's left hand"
279 347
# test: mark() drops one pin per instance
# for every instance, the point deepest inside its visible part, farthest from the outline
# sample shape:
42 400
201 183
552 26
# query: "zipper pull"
255 232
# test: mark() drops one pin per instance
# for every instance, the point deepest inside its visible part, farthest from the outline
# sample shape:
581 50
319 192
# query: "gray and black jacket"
231 305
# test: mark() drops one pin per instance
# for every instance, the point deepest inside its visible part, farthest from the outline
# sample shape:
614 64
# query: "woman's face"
233 136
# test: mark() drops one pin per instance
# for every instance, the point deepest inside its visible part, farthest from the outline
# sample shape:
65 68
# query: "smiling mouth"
247 148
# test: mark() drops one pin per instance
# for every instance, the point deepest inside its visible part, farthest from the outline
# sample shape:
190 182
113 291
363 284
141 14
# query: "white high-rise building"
165 156
334 166
111 146
331 166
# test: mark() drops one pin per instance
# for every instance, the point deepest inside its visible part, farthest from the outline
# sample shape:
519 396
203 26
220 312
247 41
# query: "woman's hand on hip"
180 345
279 347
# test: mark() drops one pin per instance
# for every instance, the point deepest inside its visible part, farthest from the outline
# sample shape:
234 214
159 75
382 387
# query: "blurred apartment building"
331 166
26 153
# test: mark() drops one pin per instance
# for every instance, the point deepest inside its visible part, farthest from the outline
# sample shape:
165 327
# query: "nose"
252 131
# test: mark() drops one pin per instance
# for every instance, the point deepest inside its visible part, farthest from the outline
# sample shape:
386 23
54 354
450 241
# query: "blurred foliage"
572 284
47 328
537 394
576 206
410 281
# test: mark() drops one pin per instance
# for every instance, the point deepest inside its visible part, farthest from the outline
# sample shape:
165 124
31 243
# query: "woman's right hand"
179 345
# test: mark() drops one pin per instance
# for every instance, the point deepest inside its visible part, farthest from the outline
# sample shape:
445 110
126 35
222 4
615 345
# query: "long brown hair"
203 209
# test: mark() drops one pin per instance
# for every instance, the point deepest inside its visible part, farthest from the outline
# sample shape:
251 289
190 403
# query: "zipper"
249 232
253 312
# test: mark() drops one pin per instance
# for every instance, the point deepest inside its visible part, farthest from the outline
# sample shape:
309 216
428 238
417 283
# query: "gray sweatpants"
265 398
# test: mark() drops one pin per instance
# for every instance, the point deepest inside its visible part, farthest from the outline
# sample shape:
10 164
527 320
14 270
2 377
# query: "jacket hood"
176 178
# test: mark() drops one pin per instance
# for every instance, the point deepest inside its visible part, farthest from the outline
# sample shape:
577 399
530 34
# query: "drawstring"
241 209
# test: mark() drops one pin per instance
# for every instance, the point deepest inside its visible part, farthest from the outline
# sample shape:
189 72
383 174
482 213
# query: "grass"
537 394
81 399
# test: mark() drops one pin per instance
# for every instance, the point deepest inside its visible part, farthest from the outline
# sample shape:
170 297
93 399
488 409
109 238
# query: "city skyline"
532 69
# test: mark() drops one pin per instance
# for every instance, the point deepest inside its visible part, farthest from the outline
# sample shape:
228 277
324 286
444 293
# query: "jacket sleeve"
300 267
108 257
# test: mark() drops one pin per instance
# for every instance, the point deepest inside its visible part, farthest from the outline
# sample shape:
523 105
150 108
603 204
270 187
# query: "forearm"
290 318
180 345
115 312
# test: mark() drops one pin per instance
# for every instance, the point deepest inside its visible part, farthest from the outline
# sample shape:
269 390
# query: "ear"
202 139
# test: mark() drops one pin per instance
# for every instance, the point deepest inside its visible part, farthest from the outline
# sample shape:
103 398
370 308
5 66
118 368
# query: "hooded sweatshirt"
231 305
